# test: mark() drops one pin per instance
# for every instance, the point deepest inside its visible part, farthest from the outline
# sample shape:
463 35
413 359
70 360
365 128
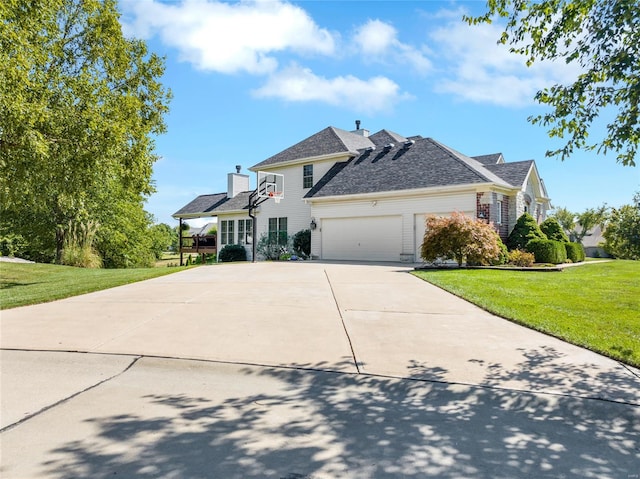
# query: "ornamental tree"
460 238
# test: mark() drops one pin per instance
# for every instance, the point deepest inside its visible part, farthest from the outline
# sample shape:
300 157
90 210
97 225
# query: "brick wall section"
482 210
489 213
503 229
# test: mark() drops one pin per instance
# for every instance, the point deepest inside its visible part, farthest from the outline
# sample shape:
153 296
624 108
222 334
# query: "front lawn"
26 283
596 306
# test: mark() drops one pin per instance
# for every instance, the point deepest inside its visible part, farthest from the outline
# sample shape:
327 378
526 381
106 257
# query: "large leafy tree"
622 236
603 38
79 106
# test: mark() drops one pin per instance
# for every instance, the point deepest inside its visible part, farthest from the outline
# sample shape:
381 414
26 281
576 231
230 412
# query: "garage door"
375 238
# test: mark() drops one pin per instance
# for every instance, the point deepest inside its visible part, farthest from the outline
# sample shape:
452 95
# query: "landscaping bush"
518 257
525 230
503 257
460 238
302 243
232 252
547 251
269 248
12 244
575 252
553 231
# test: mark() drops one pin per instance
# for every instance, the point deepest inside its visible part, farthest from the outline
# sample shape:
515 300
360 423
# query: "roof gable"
384 137
328 141
515 173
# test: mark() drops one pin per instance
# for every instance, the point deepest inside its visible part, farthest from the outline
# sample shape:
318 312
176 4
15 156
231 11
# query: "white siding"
410 209
292 206
234 218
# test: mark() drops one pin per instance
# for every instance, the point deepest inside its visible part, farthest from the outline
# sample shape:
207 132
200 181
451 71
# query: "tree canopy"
79 107
603 38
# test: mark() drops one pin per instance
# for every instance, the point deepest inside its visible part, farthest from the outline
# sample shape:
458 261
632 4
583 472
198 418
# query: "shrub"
232 252
302 243
553 231
518 257
503 257
547 251
460 238
78 245
575 252
12 244
269 248
525 230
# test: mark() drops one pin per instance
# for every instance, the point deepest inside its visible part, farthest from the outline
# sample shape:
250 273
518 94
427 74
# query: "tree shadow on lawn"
319 424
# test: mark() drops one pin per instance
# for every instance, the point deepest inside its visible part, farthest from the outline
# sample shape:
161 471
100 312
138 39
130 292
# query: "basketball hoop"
277 198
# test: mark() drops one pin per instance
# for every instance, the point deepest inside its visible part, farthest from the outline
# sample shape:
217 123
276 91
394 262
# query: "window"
499 213
307 176
245 231
278 231
226 232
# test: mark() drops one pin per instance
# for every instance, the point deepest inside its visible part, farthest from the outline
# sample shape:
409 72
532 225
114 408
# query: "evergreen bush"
547 251
302 243
575 252
232 252
525 230
553 231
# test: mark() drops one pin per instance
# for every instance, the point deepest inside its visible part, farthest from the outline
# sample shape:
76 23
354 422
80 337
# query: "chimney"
237 183
360 132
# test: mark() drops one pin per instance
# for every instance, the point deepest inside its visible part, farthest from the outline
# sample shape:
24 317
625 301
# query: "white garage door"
376 238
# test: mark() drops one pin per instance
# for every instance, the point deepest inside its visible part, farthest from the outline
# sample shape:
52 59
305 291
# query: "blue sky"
251 78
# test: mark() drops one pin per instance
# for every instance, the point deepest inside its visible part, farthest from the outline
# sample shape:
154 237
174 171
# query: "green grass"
596 306
22 284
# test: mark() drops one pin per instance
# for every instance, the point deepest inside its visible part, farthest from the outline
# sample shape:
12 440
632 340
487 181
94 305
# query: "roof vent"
370 148
409 143
238 168
388 146
357 124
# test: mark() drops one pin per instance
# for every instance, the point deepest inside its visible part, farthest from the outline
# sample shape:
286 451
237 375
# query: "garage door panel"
377 238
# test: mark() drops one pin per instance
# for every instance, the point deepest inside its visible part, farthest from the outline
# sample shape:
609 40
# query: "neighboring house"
366 197
592 241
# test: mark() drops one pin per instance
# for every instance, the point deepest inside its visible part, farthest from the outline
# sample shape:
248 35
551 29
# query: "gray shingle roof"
210 205
425 164
513 173
491 159
384 137
325 142
202 204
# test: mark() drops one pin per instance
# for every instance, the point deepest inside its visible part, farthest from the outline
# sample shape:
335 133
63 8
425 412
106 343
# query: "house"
365 196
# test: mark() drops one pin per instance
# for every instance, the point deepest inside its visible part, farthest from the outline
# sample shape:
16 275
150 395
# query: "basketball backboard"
270 185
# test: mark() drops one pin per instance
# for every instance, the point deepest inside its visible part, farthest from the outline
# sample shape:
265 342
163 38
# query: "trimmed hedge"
232 252
575 252
547 251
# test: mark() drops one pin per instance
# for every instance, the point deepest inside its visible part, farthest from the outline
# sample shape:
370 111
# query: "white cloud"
299 84
229 38
378 41
474 67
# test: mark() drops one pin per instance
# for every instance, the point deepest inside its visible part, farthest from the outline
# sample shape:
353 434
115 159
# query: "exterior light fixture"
313 224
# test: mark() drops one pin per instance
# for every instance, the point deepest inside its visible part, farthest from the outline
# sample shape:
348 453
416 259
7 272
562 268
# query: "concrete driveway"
303 370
